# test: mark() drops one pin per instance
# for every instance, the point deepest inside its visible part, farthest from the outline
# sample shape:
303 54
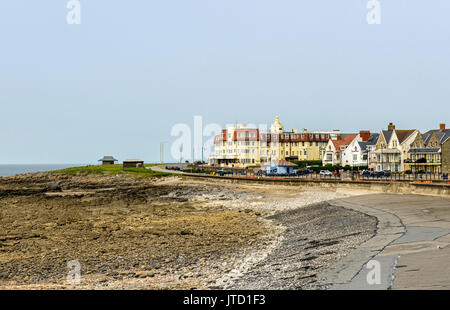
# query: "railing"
386 161
422 163
347 175
411 177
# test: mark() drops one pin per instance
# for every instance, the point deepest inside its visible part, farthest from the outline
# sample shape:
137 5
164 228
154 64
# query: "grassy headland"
111 170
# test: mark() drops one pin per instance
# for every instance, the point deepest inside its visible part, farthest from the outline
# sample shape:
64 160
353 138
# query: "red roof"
221 137
343 142
249 135
275 137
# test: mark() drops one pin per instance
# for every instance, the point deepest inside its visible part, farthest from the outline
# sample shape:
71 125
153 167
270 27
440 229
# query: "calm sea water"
9 170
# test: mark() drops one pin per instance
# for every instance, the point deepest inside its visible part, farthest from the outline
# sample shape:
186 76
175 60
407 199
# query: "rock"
188 275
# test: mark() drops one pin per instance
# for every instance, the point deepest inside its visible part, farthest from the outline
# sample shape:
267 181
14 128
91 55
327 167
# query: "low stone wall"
396 187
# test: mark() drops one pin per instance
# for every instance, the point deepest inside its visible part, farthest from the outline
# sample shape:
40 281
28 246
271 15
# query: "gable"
395 141
381 141
354 146
418 142
330 146
433 141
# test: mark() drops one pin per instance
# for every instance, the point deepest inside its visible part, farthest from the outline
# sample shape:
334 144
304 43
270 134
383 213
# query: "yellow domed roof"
276 126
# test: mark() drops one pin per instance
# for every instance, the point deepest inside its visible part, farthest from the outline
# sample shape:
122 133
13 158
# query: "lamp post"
203 149
161 151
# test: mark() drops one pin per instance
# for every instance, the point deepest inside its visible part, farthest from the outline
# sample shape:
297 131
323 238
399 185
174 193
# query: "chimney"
442 126
391 127
365 135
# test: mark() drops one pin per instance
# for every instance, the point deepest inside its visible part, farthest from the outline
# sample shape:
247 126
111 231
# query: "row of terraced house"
395 150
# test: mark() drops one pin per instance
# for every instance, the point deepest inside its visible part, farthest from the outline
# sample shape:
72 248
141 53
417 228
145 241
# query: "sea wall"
396 187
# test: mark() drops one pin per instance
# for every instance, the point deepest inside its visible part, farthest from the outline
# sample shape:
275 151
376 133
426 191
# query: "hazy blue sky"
117 83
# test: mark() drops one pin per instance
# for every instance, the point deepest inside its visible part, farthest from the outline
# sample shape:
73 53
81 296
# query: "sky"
117 83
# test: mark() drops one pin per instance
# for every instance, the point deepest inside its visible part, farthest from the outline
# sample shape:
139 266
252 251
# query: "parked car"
301 172
383 174
173 168
368 174
260 173
325 173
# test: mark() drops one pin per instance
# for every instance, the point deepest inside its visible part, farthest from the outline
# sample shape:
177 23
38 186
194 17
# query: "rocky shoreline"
163 233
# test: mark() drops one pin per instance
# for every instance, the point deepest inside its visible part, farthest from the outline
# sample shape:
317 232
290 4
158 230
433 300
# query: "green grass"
111 170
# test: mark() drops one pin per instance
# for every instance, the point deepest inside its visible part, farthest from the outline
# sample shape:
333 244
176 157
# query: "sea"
9 170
